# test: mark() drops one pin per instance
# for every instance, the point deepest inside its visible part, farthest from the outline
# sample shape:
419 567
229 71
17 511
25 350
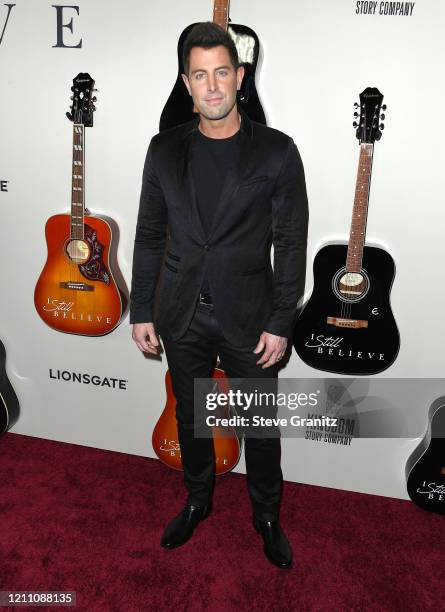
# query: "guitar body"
79 298
348 350
9 404
426 479
179 106
165 434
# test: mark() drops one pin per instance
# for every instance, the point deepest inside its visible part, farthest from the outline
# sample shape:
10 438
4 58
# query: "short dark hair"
207 35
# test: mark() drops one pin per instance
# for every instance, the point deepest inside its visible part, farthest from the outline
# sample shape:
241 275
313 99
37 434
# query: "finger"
267 355
260 346
272 356
150 344
270 348
151 350
270 362
145 340
153 339
141 342
142 347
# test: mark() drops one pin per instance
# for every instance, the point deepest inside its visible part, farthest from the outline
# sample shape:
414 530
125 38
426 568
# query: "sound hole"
350 286
78 251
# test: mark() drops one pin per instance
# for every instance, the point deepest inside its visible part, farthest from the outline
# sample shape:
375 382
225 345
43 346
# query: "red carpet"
87 520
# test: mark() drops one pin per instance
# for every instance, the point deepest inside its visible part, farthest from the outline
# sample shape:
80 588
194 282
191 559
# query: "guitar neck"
360 211
221 13
78 187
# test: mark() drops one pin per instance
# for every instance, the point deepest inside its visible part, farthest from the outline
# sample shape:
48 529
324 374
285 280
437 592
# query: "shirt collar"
245 127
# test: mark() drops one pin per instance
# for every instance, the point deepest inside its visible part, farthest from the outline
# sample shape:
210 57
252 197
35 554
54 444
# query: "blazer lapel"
186 184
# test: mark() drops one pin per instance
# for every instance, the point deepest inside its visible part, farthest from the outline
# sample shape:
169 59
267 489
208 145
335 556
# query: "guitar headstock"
82 108
369 122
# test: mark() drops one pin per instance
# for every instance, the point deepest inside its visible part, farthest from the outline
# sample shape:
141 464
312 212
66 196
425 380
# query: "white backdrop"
317 57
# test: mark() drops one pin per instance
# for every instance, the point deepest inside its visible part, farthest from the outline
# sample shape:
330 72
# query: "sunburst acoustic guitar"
179 106
227 442
348 326
81 290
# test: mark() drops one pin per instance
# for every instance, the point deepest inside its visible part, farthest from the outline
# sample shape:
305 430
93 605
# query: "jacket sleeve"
149 244
290 217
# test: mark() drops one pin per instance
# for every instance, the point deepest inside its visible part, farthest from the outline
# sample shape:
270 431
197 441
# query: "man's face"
213 81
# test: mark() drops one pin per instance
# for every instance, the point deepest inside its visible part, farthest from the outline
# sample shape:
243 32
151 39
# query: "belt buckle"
203 297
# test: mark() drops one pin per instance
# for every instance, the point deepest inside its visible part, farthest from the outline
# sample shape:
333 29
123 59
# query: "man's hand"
275 348
144 335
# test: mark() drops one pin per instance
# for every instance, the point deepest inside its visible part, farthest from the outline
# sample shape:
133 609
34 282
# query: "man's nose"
211 82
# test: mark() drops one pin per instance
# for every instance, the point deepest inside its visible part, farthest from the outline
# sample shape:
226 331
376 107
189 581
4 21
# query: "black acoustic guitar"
347 326
426 466
9 404
179 106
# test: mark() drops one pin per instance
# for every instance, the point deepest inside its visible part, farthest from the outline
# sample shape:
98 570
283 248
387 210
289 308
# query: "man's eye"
222 72
199 75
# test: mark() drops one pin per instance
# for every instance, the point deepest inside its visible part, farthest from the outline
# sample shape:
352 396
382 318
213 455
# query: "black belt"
205 298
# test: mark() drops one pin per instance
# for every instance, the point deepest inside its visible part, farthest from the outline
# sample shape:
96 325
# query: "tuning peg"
382 116
378 135
94 99
356 104
384 107
93 107
355 124
381 126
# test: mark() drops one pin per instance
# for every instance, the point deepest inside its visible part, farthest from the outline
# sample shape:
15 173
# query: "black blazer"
263 202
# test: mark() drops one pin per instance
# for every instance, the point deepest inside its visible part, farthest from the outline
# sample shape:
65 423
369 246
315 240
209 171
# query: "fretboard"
221 13
77 190
360 211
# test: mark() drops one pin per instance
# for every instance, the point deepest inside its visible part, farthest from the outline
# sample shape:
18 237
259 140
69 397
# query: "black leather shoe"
276 546
181 528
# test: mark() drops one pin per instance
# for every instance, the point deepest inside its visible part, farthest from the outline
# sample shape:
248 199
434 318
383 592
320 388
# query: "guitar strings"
346 308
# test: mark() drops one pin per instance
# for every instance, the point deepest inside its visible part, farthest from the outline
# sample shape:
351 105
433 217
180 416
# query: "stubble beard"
219 113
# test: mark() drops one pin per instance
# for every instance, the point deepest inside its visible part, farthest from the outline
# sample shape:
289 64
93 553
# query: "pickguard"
245 45
94 268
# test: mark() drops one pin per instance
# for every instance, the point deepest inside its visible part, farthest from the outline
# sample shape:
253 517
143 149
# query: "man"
216 193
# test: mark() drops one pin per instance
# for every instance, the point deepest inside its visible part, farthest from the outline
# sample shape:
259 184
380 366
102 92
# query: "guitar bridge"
351 323
76 286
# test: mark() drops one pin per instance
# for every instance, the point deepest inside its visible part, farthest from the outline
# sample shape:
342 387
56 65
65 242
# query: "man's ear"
239 76
186 81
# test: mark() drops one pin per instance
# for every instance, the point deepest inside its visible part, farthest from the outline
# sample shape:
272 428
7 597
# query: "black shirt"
212 159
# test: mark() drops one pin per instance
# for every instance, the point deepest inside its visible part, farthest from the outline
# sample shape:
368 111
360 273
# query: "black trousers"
194 356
